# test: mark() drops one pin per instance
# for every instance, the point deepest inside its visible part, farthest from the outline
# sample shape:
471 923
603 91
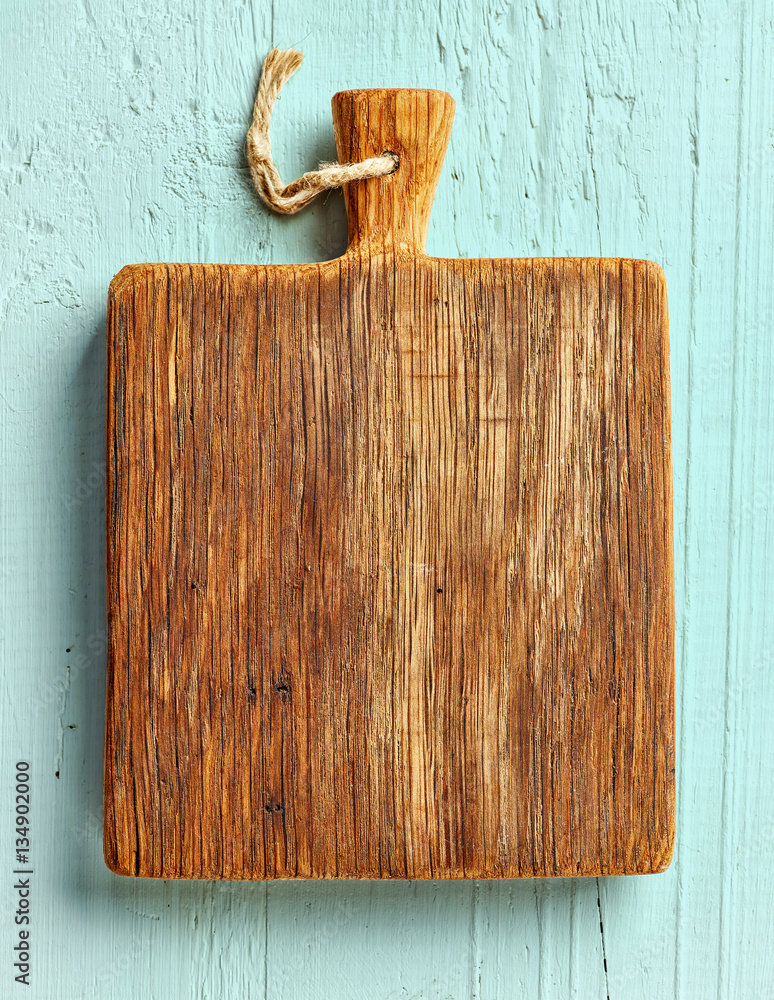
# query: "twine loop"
278 67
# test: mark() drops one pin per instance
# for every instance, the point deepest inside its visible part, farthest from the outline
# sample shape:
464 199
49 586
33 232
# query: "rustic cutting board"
390 556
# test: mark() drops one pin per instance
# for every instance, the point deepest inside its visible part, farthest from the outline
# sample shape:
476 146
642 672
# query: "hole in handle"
395 158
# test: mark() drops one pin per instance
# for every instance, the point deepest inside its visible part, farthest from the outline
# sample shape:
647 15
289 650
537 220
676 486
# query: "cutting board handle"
391 214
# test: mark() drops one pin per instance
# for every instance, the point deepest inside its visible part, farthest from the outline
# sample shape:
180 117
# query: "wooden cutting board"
390 555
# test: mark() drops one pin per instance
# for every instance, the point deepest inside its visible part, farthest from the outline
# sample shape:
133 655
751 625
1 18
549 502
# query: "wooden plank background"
642 130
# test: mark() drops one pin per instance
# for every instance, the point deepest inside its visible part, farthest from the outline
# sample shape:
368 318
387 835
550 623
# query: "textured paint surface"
644 130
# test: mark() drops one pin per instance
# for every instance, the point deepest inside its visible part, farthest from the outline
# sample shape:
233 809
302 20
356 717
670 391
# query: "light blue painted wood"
640 129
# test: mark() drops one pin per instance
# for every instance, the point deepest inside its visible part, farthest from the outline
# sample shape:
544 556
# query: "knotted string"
278 67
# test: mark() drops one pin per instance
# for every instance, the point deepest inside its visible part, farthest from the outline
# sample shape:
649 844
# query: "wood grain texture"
390 572
390 584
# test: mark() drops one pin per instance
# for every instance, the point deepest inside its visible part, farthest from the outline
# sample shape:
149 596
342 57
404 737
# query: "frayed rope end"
287 199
